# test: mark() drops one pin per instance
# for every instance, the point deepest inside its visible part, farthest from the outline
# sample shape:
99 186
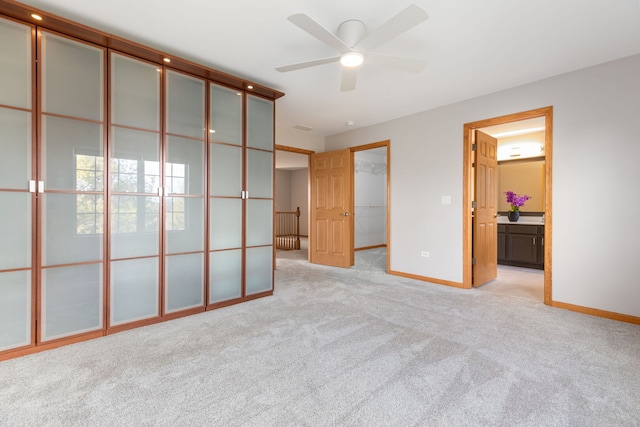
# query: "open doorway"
292 194
520 170
370 178
371 201
534 232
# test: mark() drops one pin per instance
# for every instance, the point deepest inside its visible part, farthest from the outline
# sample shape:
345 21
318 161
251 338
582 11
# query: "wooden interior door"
485 228
331 228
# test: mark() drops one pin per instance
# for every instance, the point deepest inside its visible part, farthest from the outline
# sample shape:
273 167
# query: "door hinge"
474 147
473 261
474 204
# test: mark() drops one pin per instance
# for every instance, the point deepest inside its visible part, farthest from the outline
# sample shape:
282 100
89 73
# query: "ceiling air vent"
302 128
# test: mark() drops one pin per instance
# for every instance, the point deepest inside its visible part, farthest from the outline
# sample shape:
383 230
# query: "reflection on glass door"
135 178
72 187
184 177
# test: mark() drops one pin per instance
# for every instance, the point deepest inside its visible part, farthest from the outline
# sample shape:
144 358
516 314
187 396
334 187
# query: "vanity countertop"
522 221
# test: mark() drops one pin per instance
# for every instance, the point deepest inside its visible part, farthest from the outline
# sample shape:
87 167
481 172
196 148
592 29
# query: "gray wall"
283 191
300 197
292 191
595 152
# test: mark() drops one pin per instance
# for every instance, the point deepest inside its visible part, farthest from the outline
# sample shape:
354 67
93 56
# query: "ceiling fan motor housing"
351 32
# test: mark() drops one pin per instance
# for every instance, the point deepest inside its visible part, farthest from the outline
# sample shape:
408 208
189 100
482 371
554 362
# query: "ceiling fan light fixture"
352 59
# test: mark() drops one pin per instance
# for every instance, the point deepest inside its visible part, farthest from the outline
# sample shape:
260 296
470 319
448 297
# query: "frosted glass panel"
73 155
15 64
15 146
225 115
259 123
135 93
65 239
184 170
226 170
134 290
259 269
15 309
71 300
259 222
184 222
135 226
72 78
184 281
225 227
185 105
15 230
225 275
134 161
260 174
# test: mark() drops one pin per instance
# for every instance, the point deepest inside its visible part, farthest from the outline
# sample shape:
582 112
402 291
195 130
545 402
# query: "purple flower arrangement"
515 200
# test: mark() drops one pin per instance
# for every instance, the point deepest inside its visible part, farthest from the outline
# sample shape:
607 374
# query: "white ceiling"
473 47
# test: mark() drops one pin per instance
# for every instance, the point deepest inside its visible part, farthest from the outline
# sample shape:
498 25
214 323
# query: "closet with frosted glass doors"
131 192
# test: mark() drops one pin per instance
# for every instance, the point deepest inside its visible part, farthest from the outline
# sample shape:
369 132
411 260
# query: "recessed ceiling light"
166 60
249 87
36 17
350 123
352 59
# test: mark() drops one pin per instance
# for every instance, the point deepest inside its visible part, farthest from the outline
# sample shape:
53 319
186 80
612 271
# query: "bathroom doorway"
469 187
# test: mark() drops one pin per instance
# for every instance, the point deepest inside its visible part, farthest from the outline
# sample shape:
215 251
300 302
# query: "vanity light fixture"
36 17
352 59
518 132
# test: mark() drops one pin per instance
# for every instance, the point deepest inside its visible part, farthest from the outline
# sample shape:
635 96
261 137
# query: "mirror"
521 164
522 177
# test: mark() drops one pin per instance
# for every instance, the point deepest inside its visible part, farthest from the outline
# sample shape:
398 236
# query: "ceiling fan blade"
403 64
306 23
349 75
307 64
402 22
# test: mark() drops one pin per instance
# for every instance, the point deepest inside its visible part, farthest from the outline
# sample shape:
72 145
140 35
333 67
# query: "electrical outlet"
424 254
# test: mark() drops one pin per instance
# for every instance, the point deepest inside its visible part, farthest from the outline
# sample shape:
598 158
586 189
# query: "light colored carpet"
336 347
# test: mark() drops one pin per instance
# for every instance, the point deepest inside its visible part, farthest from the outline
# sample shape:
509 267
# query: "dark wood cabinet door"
502 246
521 245
523 248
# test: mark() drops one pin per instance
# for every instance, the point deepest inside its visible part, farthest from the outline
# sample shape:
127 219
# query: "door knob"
346 214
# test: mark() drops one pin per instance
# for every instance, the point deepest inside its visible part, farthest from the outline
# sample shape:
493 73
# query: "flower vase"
514 215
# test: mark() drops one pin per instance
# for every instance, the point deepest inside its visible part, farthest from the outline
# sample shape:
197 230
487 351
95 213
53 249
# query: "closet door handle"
534 241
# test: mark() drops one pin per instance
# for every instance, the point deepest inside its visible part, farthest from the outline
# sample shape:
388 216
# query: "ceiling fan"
355 45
